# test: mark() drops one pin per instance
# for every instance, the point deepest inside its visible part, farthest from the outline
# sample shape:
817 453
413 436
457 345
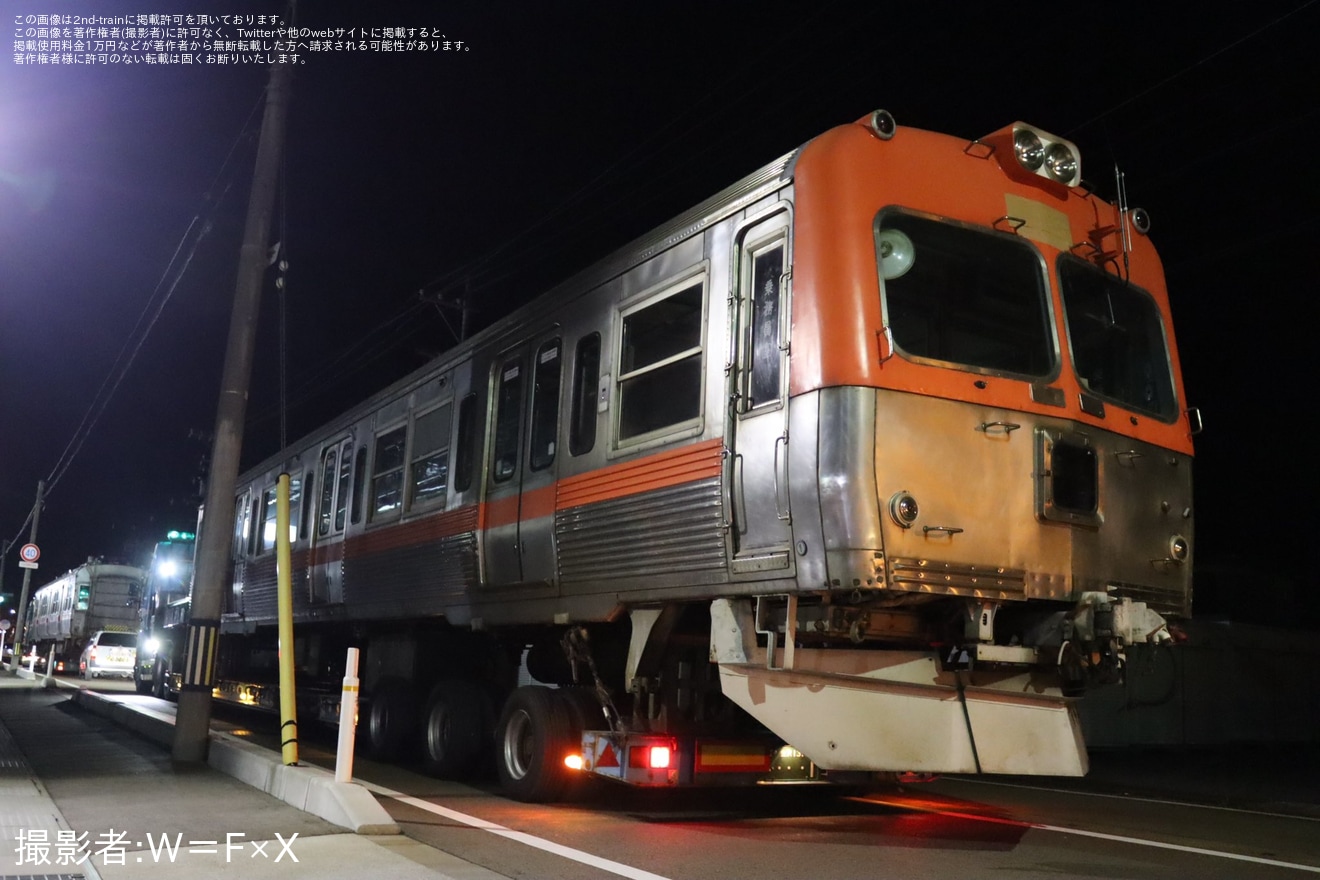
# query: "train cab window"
544 429
660 363
84 597
1117 340
508 413
387 475
466 443
429 475
586 378
965 297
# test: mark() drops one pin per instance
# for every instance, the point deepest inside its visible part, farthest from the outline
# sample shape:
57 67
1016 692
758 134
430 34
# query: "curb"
310 789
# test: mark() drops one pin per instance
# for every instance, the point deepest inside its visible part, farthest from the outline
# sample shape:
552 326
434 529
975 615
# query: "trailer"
66 612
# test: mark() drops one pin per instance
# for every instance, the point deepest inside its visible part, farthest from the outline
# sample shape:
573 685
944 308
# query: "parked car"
108 653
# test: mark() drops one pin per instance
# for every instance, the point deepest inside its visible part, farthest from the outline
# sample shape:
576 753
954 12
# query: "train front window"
1117 340
965 297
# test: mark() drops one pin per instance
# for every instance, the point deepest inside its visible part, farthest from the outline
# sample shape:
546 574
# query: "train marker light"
1178 548
903 509
883 125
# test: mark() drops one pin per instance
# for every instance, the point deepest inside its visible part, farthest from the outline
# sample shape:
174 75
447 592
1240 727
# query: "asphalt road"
1185 815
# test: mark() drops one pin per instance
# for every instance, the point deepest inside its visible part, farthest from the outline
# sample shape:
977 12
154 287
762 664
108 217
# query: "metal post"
348 703
27 574
284 603
192 728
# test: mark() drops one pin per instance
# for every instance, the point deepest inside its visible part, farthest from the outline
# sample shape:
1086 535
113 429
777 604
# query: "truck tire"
159 671
390 721
532 737
456 727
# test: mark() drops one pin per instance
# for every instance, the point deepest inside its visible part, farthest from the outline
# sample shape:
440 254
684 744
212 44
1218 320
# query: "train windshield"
965 297
1117 339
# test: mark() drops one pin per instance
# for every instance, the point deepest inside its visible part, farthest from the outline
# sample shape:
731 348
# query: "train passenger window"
341 493
429 476
359 483
305 507
544 429
269 510
508 414
466 441
965 297
295 506
327 492
660 363
1117 340
242 525
586 376
387 476
767 272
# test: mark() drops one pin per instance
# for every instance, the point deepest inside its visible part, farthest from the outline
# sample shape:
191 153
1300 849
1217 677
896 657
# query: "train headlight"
1061 162
903 509
1037 155
1178 548
1028 148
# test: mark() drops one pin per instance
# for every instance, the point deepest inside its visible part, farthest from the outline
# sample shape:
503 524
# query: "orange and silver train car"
871 462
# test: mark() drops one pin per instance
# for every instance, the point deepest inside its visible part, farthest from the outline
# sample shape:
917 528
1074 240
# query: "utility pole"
27 577
193 725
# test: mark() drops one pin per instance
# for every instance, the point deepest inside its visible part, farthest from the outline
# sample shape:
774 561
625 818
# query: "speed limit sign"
28 555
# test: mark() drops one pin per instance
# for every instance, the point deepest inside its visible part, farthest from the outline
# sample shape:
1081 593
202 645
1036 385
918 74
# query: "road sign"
28 556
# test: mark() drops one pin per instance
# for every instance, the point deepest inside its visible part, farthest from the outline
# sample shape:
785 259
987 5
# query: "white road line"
1079 832
1132 797
549 846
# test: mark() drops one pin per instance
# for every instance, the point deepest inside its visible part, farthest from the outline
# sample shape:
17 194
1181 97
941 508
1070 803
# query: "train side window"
586 376
305 511
507 417
544 429
387 476
429 476
328 468
660 363
269 509
764 345
253 535
467 430
341 492
359 483
242 525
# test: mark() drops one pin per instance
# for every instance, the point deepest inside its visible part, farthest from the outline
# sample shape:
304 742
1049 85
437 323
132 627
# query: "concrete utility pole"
192 728
27 577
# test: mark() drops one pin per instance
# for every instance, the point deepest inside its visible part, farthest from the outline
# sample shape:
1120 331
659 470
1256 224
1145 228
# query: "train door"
334 482
518 523
758 421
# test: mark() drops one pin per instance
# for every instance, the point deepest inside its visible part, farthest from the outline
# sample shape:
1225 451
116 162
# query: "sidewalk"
82 797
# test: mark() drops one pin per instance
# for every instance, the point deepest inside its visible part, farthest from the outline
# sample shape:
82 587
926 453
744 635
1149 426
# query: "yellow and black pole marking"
199 667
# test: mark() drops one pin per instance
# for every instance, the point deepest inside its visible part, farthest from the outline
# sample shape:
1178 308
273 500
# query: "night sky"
562 131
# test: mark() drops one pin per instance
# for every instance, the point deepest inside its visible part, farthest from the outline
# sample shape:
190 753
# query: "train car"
66 612
871 462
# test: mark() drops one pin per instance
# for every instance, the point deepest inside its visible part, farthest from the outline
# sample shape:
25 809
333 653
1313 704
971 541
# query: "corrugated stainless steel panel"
676 529
426 577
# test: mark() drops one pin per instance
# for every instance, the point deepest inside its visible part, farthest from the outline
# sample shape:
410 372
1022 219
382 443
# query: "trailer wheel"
533 734
456 726
159 671
390 721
